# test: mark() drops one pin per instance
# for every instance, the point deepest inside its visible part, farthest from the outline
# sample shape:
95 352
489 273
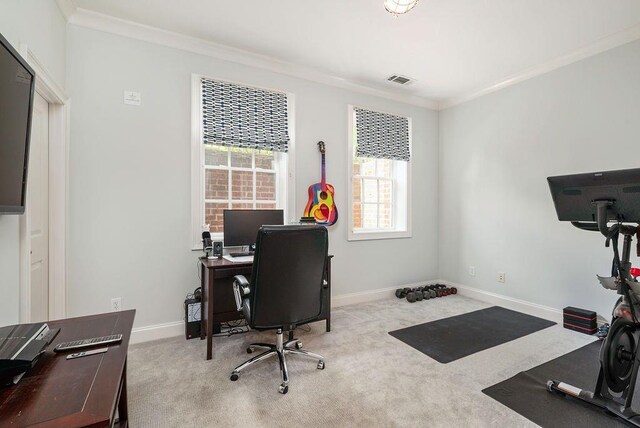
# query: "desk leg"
328 321
210 315
203 291
123 411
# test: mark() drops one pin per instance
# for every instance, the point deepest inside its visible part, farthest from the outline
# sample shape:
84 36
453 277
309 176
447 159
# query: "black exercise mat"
452 338
526 393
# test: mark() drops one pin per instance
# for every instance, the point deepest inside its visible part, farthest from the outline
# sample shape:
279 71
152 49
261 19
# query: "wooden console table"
218 304
83 392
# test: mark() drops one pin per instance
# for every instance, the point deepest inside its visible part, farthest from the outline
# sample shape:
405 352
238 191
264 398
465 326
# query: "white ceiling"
452 48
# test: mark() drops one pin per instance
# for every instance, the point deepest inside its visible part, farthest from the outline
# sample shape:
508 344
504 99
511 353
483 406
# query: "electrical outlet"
502 277
116 304
472 270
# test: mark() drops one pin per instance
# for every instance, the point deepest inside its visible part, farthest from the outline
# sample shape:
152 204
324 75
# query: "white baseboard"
541 311
370 295
157 331
176 328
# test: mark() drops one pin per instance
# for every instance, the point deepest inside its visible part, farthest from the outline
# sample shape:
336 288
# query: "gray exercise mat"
526 393
450 339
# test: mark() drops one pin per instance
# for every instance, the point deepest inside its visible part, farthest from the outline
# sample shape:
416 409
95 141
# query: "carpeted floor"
370 379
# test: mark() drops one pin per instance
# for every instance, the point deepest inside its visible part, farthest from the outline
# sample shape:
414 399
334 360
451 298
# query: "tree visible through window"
237 178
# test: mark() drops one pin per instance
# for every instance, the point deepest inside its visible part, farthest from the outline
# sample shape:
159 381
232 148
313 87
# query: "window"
379 183
240 147
239 178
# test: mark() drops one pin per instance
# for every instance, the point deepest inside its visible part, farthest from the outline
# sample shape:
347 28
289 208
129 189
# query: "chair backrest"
288 273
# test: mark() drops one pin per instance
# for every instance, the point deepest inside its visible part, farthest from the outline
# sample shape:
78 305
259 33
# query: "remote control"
87 343
87 353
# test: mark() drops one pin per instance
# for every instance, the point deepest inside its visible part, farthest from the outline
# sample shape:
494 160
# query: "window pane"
385 191
370 216
213 216
384 216
370 192
215 155
357 190
356 166
242 185
216 184
241 158
357 216
385 168
265 186
267 206
242 205
265 159
368 167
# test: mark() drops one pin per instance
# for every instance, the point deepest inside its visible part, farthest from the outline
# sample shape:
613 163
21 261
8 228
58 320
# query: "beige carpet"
370 379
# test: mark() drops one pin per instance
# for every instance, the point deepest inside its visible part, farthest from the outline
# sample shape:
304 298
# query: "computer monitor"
575 196
241 226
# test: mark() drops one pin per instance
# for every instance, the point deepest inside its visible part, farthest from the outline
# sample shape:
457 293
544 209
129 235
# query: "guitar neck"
324 179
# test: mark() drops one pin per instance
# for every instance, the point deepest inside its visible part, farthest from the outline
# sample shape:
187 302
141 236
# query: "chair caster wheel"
298 345
321 365
249 350
283 389
234 377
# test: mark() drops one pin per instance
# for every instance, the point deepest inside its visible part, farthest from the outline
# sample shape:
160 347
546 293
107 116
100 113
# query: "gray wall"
40 25
495 208
130 177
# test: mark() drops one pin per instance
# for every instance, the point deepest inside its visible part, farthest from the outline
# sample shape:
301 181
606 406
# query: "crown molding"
613 41
98 21
67 7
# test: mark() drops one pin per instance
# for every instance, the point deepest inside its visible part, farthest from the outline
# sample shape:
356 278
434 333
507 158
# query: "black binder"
20 348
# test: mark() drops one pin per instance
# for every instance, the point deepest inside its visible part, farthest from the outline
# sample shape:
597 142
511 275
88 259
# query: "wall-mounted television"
17 85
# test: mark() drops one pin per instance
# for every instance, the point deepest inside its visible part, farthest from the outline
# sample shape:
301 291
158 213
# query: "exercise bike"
592 202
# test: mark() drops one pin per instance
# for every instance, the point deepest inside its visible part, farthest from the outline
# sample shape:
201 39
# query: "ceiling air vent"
401 80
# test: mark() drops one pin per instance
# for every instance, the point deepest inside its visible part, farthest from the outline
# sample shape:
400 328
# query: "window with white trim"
380 184
240 178
240 151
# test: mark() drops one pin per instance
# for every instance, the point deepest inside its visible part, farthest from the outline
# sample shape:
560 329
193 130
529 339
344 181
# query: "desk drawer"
231 272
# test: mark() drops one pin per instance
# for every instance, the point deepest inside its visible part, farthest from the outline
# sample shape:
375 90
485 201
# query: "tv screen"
17 83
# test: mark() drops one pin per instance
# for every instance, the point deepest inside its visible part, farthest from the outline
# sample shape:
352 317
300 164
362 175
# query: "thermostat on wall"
132 98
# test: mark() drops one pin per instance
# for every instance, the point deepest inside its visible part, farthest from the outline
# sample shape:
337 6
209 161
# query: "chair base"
280 349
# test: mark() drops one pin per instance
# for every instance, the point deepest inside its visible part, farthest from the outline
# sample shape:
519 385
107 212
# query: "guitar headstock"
321 147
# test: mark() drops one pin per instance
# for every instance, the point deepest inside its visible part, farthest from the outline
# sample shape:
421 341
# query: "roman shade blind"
240 116
382 135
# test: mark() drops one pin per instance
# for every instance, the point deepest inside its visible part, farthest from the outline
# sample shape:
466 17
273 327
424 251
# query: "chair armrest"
240 290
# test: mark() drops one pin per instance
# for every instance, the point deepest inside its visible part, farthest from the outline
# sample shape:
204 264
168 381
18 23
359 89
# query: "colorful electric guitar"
321 205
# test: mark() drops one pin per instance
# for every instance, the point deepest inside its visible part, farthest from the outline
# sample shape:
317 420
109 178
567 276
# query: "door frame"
59 122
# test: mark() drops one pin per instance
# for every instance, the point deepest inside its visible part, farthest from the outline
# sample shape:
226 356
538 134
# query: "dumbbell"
439 293
454 290
402 292
419 296
426 294
411 297
446 291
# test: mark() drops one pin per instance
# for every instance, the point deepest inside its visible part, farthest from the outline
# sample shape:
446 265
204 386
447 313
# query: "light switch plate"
132 98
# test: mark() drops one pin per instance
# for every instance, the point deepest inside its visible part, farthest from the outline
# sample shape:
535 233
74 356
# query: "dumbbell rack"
425 292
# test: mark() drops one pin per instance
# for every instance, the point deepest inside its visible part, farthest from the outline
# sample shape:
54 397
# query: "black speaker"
217 249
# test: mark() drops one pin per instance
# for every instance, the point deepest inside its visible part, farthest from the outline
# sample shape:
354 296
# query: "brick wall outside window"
252 184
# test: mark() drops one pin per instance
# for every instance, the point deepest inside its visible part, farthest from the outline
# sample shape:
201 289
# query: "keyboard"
241 254
86 343
242 259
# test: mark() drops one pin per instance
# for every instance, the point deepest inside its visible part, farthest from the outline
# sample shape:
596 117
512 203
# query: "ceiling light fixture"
398 7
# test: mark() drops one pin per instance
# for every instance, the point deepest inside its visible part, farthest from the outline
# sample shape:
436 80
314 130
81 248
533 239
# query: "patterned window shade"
381 135
240 116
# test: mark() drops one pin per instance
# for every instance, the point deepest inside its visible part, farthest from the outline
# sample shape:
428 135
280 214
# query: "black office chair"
285 290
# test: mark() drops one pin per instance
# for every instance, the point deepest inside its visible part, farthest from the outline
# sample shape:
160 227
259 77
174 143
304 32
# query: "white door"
38 210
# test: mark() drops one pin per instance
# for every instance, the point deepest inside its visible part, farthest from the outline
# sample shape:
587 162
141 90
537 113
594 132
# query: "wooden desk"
74 393
218 304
